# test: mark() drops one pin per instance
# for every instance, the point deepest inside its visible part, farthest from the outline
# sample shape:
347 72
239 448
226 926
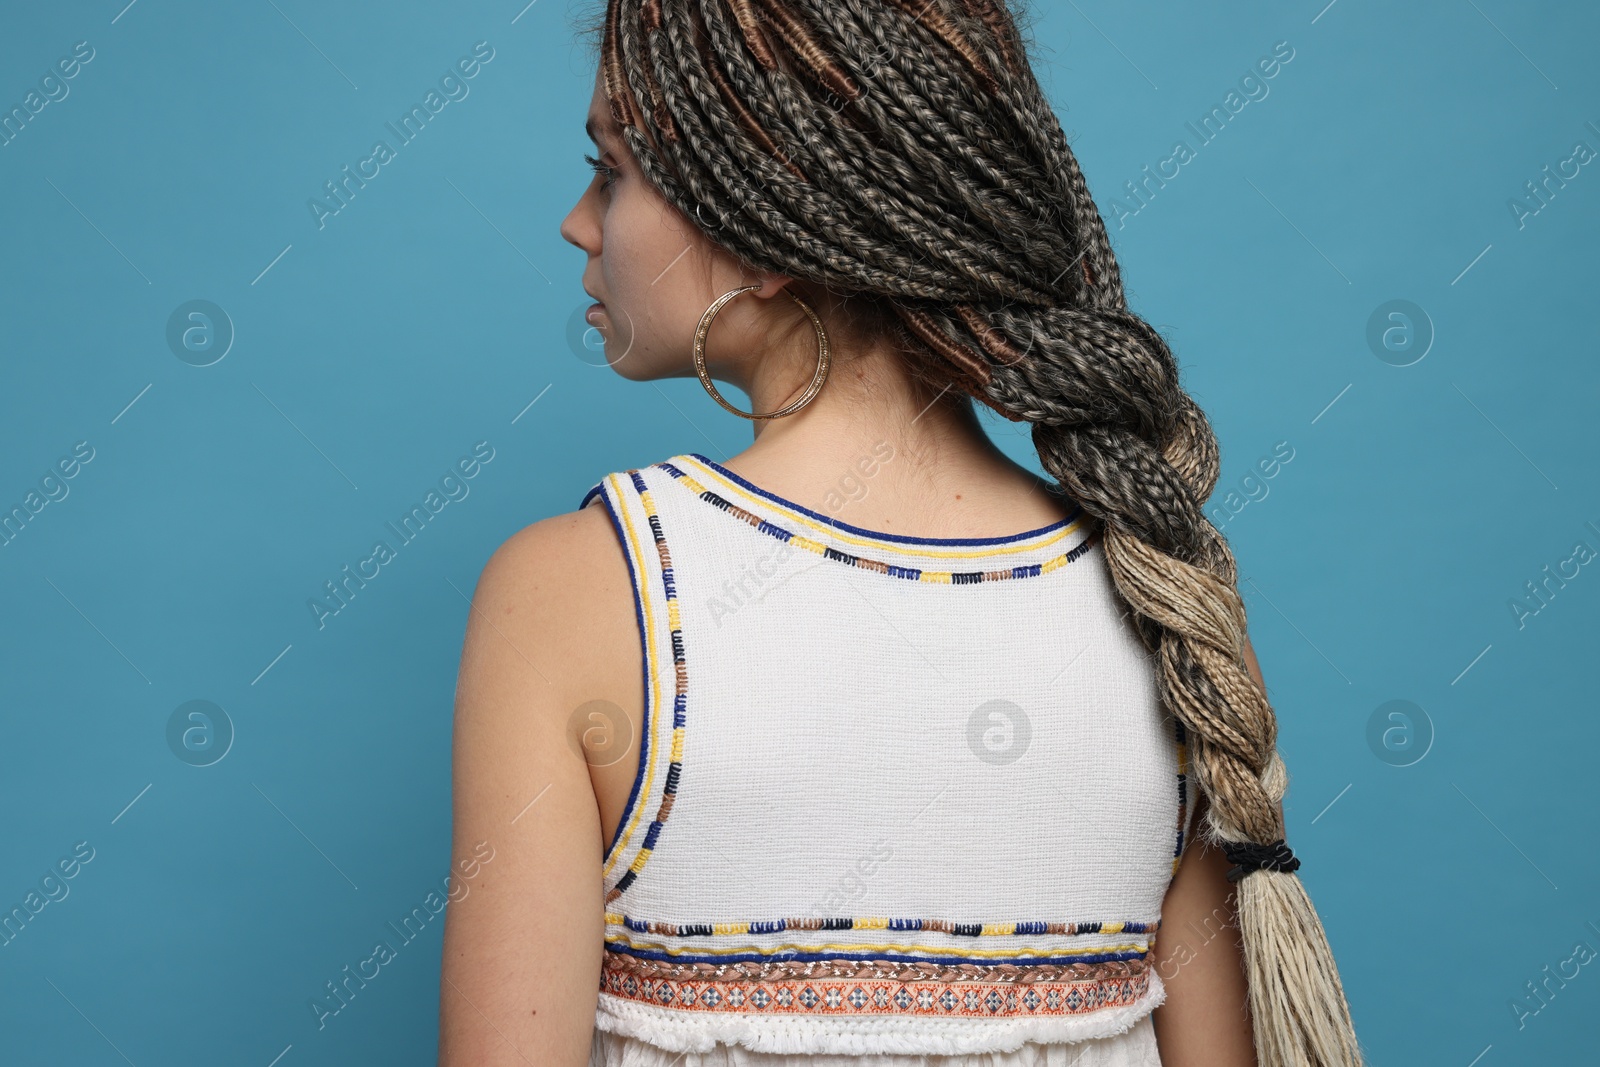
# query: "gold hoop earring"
824 359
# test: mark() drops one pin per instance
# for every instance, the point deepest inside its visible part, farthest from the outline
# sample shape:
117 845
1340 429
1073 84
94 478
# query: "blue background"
370 354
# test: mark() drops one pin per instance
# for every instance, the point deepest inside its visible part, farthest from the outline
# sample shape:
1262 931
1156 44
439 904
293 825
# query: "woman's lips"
594 310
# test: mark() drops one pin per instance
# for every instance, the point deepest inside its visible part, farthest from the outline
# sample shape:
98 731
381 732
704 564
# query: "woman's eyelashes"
607 174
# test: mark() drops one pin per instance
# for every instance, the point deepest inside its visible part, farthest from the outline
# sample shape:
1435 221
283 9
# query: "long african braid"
902 150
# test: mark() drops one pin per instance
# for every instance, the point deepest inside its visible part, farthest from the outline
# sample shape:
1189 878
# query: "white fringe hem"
685 1031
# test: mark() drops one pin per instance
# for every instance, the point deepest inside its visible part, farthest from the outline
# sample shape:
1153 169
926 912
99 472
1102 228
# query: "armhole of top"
622 505
1188 797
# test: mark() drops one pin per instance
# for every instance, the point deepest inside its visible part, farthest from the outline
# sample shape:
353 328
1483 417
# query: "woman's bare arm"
522 946
1205 1021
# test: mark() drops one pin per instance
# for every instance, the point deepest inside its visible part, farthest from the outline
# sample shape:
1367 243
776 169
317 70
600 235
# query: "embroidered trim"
844 967
614 499
775 926
1183 791
933 547
622 512
669 791
915 574
849 989
607 491
898 952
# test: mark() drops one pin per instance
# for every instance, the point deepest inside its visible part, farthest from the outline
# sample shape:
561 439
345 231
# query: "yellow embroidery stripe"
726 487
799 542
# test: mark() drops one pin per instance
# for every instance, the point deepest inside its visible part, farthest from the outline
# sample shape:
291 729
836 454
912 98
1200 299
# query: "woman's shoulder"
559 561
571 549
560 548
560 588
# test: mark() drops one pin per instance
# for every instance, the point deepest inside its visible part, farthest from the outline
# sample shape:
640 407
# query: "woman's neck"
878 449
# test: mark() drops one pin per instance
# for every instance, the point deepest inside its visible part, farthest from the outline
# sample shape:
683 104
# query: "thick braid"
902 150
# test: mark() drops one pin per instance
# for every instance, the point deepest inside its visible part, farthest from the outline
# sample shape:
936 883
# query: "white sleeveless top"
895 795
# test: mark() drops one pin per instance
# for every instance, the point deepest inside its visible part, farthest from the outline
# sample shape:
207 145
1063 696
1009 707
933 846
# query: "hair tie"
1250 856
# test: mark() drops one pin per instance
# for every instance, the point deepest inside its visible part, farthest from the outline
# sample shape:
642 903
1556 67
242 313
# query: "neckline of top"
749 492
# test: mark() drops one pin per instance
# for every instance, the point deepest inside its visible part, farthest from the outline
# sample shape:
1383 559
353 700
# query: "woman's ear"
771 285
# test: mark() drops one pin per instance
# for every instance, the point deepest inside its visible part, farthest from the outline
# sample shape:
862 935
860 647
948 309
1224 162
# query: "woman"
902 785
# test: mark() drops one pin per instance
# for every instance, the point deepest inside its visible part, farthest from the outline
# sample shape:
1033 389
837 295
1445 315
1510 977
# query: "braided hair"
975 235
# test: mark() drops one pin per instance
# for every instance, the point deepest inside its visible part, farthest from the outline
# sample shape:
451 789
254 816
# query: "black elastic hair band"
1250 856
